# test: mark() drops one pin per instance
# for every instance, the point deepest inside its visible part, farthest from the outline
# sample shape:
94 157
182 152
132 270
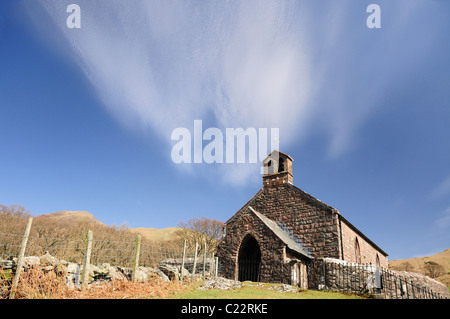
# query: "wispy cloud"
442 189
248 63
173 61
443 222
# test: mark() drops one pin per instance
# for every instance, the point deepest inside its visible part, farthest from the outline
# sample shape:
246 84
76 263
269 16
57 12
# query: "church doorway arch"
249 260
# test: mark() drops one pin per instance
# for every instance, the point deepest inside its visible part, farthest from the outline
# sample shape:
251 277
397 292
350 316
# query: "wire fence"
19 250
70 250
117 253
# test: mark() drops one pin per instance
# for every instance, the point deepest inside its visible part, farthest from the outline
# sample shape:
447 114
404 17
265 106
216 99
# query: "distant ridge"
68 217
418 264
71 217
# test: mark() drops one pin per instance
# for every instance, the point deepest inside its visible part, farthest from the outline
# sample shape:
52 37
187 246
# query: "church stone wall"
274 266
368 253
315 226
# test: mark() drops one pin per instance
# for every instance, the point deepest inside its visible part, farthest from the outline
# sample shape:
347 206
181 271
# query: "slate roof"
289 239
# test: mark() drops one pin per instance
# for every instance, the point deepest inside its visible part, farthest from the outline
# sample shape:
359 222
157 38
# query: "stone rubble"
104 272
220 283
284 288
228 284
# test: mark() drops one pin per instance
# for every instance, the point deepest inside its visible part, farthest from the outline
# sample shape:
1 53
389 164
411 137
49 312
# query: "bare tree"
15 211
405 266
201 231
13 218
433 269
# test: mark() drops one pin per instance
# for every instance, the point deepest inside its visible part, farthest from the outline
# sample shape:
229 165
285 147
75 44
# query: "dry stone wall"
423 281
167 270
338 275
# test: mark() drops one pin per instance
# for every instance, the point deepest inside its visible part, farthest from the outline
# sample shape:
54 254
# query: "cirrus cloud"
304 68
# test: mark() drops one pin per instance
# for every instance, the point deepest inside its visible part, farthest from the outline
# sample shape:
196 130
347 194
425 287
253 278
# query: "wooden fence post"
20 260
87 258
216 272
137 249
182 260
195 259
204 260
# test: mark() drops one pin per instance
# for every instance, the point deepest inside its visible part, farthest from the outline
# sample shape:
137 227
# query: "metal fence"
365 279
398 287
249 269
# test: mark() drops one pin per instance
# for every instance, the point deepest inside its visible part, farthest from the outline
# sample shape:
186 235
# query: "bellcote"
277 169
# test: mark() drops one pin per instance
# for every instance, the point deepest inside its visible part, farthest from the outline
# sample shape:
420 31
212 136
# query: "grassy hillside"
419 265
73 217
69 217
73 224
155 234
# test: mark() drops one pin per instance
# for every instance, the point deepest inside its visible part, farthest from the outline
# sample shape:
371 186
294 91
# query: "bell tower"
277 169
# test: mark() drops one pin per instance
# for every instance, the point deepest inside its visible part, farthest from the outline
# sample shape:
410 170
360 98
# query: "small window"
270 168
281 165
357 252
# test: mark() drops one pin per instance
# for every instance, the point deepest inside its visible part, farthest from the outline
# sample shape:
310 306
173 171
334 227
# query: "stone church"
275 235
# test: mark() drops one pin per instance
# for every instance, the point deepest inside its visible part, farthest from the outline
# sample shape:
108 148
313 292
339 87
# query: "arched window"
281 165
357 252
378 261
270 168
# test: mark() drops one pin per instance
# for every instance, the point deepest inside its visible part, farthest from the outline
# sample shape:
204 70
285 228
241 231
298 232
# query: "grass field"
257 291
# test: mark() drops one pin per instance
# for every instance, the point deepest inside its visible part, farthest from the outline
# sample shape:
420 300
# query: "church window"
281 165
357 252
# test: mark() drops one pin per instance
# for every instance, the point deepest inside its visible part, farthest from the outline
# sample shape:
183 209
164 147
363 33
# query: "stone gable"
310 220
275 256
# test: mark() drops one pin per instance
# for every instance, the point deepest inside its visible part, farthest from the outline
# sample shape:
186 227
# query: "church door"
249 260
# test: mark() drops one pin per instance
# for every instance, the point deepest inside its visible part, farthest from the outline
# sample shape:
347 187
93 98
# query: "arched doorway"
249 260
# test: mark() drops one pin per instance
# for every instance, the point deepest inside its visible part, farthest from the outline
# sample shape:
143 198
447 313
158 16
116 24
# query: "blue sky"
87 113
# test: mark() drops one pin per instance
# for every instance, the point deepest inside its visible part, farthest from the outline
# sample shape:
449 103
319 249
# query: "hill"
73 217
155 234
69 217
419 265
